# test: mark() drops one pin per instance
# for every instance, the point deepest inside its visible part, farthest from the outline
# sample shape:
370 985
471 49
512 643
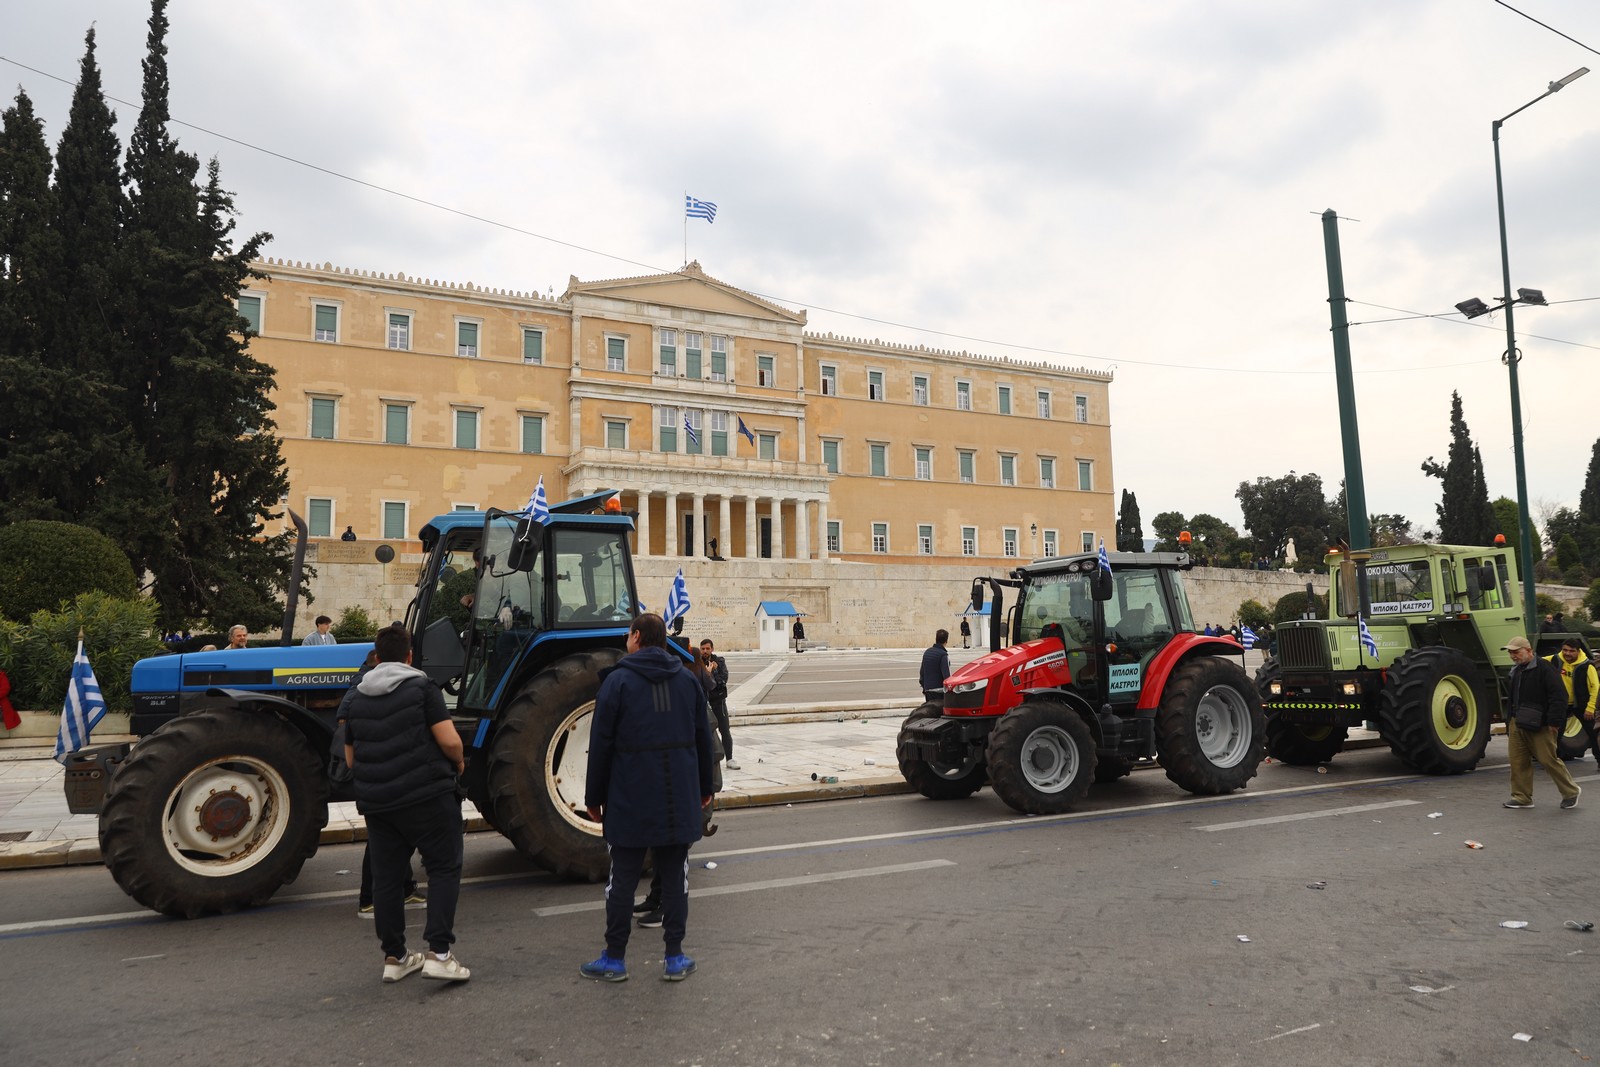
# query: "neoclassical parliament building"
725 424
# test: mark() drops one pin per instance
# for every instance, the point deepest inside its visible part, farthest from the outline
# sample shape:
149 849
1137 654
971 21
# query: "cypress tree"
1485 523
1130 528
1589 499
1464 502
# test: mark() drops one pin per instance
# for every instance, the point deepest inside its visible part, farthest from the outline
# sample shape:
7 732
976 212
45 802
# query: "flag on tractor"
1247 637
84 707
1367 641
1105 560
538 510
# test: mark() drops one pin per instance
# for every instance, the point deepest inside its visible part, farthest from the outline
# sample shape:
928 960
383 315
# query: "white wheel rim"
226 816
1049 759
1222 726
566 768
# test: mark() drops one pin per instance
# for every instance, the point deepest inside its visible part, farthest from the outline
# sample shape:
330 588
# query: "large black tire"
213 812
538 767
1041 758
939 781
1210 733
1435 711
1574 739
1293 743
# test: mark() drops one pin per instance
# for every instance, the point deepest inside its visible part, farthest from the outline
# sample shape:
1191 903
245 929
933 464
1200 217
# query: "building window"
969 540
963 396
1081 404
966 464
1086 475
693 346
1050 540
830 456
874 385
616 433
834 535
880 537
533 434
250 311
394 519
1088 540
767 445
925 464
667 422
467 339
692 440
1003 399
719 358
1044 403
1008 541
830 379
766 374
1047 472
327 322
532 345
719 433
669 353
925 540
463 507
397 424
1008 469
919 390
466 429
879 461
399 333
324 412
616 353
319 516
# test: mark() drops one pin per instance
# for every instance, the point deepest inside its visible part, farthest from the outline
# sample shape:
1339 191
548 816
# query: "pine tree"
1130 529
1589 499
1485 523
1465 516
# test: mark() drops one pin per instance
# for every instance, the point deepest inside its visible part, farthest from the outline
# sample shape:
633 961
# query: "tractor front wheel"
935 780
1296 744
1435 711
1574 739
1041 758
1210 733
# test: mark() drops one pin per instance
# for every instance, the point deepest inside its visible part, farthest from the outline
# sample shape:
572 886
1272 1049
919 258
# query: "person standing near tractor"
1539 710
1583 686
935 667
321 635
966 634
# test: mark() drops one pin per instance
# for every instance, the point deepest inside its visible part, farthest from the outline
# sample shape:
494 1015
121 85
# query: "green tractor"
1439 616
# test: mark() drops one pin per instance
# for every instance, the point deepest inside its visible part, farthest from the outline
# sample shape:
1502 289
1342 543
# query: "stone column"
643 523
672 524
822 529
777 528
752 544
802 529
725 527
699 525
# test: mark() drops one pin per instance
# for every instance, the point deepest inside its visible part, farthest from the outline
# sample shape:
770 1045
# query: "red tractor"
1104 668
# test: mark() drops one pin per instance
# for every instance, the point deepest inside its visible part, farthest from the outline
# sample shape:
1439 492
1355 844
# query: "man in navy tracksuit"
650 774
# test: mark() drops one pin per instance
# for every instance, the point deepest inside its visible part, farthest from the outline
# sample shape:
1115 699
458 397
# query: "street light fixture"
1475 307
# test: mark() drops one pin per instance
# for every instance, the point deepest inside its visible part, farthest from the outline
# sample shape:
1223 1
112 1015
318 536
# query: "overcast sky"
1129 187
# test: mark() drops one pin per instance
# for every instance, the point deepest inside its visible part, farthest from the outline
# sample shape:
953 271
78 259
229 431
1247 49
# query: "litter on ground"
1515 924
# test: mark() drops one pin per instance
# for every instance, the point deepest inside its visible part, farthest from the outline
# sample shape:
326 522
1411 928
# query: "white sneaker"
731 765
448 969
394 970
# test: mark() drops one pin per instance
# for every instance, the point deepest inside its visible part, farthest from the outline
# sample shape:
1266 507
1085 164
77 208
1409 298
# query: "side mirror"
1349 590
977 594
524 546
1486 576
384 554
1100 584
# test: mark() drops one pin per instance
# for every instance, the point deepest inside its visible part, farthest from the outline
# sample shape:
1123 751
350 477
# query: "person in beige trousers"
1536 694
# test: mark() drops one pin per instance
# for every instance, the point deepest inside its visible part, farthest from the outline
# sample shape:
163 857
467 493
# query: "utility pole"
1355 489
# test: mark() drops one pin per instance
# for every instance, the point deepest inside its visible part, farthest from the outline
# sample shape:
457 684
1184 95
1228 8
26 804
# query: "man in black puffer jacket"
650 768
405 754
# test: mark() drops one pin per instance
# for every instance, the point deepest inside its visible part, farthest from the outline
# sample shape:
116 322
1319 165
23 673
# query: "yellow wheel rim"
1454 712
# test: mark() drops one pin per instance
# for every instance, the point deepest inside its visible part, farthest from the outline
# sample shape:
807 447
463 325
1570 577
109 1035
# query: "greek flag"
1247 636
690 431
745 431
1366 636
699 209
1105 560
84 708
537 509
677 600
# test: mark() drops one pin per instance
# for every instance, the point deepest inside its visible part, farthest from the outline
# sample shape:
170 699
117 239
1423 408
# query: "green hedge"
1293 605
44 564
37 655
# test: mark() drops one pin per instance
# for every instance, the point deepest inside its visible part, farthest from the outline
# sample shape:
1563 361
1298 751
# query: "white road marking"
749 692
771 883
1307 815
1286 1033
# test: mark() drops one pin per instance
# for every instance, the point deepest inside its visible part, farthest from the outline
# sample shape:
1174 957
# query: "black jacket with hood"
390 713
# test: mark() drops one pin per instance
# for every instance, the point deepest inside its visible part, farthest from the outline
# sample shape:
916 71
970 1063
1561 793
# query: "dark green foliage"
1130 530
1545 604
1505 513
1216 544
1167 526
43 564
117 633
1591 599
1589 498
1291 606
1276 509
1568 558
1253 613
1465 515
355 625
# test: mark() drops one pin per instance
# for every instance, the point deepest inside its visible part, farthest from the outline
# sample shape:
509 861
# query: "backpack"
339 772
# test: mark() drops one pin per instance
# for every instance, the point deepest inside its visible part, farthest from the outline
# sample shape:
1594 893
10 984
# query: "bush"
1293 605
45 564
1545 604
354 625
1591 600
1253 613
116 635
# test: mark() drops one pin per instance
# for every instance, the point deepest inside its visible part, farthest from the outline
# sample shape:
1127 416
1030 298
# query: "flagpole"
686 229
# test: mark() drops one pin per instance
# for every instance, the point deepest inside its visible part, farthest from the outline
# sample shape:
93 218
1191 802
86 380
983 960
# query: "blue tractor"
225 794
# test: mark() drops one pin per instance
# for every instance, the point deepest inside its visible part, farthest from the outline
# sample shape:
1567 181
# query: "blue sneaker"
606 969
677 968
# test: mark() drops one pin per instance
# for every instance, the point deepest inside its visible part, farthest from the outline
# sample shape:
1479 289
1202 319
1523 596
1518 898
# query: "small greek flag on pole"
677 600
1366 636
1105 560
690 431
1247 637
745 431
699 209
84 707
538 510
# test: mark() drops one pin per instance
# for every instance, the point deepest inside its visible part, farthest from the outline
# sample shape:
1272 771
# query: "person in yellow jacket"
1578 674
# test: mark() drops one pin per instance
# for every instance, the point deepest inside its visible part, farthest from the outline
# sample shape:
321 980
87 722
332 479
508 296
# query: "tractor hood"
1008 660
295 667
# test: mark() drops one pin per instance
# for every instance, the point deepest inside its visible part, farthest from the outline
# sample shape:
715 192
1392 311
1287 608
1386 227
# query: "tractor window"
591 579
1062 598
456 582
1488 583
1403 588
512 599
1136 616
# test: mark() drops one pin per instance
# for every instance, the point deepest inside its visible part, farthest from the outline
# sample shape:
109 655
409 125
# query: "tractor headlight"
1351 689
970 687
1275 688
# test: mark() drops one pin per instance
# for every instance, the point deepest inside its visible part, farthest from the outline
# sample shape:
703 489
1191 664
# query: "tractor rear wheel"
1041 758
1435 711
1574 739
940 781
1297 744
539 766
1210 733
213 812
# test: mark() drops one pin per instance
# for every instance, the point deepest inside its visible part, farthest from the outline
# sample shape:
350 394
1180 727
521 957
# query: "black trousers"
432 827
672 861
366 876
719 708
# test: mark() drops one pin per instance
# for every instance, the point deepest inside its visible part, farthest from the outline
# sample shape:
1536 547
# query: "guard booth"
774 620
978 619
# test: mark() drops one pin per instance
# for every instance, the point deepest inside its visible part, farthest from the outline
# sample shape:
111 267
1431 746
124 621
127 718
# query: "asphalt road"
901 931
822 676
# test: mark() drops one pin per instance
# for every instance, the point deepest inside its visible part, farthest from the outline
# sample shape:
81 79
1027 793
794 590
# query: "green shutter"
616 435
327 319
830 456
532 434
394 424
466 429
394 519
322 418
616 350
719 442
319 521
532 346
250 310
719 364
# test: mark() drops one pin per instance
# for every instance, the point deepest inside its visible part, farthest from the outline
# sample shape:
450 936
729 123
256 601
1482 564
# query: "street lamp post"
1474 308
